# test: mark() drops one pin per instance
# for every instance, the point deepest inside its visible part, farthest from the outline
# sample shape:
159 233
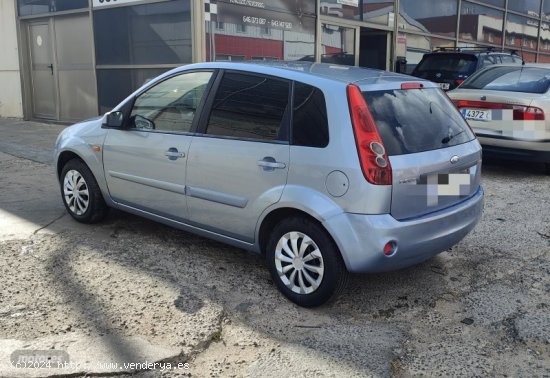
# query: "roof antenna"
521 51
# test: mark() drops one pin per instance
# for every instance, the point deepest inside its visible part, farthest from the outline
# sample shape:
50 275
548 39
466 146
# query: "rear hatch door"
434 155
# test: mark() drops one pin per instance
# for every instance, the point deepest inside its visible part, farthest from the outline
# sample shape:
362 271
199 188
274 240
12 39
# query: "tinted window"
309 120
250 107
455 63
513 79
416 120
170 105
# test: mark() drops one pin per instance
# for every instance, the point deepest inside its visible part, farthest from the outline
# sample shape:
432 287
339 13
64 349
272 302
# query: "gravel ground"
129 289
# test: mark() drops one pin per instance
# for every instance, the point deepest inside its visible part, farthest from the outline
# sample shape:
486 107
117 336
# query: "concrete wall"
11 104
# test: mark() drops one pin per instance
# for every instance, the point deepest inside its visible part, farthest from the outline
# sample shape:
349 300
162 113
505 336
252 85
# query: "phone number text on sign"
263 21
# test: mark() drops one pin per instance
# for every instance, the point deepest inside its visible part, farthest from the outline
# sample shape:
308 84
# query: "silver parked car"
323 169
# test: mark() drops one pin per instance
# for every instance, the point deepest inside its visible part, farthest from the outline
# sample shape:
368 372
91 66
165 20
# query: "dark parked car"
450 67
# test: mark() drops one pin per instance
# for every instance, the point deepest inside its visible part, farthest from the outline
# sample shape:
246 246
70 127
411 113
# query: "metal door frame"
51 30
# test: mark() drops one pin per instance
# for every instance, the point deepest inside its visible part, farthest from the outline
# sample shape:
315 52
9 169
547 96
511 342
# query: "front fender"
79 140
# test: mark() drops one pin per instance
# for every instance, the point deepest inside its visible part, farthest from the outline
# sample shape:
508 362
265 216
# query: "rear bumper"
361 238
515 149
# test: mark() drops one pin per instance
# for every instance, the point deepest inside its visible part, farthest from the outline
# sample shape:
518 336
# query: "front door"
145 164
42 71
238 165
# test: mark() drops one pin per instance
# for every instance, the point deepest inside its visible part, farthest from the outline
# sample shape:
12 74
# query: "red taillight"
372 154
459 81
520 112
528 113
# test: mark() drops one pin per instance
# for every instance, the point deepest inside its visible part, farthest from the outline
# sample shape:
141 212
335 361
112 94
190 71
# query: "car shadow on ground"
200 274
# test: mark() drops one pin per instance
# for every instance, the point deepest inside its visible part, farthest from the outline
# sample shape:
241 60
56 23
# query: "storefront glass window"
30 7
350 9
276 30
114 85
428 16
338 45
481 24
545 37
546 10
496 3
379 12
528 7
521 32
158 33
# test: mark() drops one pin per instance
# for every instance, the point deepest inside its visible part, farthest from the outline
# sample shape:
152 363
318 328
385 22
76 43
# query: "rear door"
434 157
238 164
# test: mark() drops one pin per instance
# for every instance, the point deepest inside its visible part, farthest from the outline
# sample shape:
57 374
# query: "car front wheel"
305 262
81 194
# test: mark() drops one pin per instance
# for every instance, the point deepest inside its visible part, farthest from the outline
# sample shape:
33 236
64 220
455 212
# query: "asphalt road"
132 291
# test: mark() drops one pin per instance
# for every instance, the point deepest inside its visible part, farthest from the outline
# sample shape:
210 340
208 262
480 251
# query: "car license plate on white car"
476 114
444 86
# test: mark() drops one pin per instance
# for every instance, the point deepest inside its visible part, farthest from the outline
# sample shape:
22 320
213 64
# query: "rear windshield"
417 120
456 63
511 79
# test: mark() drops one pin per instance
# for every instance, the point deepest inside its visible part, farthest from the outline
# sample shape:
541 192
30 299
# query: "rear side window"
417 120
309 121
512 79
452 63
250 107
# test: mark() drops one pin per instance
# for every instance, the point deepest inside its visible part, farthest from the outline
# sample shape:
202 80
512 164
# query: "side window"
250 107
507 59
170 105
517 59
488 60
309 120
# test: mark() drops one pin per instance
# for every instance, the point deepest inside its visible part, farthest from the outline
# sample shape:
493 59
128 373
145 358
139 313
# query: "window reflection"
480 23
429 16
338 45
241 32
528 7
521 32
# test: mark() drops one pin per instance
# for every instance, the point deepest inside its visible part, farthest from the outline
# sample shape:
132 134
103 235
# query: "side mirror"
114 119
143 123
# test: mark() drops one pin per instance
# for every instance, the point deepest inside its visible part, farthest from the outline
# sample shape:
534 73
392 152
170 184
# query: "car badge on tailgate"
455 159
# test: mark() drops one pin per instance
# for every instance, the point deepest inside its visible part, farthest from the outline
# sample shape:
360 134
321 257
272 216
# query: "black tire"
96 208
334 277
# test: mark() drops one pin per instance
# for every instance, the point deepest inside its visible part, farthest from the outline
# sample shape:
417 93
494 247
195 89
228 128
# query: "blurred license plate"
476 114
444 86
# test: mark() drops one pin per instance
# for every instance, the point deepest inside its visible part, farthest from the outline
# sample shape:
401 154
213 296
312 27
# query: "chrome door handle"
174 154
270 164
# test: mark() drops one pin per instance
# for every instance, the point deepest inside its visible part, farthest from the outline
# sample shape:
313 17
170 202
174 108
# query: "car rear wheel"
81 194
305 263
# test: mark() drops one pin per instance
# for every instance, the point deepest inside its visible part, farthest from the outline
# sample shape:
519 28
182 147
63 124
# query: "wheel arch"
63 158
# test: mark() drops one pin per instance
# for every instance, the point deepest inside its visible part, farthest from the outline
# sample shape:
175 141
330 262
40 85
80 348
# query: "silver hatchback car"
323 169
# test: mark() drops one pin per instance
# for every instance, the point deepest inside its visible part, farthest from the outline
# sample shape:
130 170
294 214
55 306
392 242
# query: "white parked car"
508 107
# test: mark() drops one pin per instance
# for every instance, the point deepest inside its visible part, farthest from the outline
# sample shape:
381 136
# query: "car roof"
295 69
